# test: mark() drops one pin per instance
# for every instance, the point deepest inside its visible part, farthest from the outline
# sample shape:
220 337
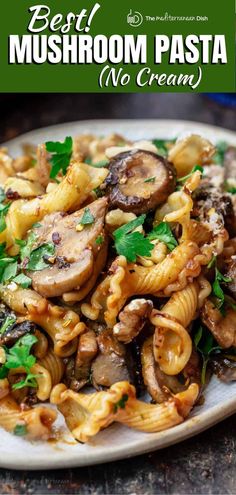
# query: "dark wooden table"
205 464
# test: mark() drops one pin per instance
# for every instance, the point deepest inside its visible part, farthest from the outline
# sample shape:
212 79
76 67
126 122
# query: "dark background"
205 464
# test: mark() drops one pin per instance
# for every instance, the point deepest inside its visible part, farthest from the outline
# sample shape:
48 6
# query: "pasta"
118 273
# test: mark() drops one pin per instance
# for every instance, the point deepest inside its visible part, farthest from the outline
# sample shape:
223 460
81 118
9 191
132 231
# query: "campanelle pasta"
117 273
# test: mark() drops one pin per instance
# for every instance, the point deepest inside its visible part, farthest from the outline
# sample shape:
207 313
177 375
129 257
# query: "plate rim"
174 435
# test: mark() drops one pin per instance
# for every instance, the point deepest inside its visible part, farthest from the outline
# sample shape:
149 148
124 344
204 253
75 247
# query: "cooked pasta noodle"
134 250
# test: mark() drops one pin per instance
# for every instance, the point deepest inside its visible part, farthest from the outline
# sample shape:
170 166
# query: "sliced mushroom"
222 327
76 250
87 350
224 368
159 385
113 363
215 208
230 272
139 180
15 331
132 320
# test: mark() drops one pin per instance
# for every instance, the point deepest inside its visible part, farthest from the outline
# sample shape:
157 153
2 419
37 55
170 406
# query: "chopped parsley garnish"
121 403
205 344
194 169
211 262
163 233
9 321
162 145
20 430
219 155
26 246
87 217
99 240
216 287
132 244
38 256
2 195
19 356
229 188
150 179
3 211
102 163
22 280
60 155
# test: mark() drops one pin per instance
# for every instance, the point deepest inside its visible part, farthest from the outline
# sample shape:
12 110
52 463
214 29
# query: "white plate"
118 442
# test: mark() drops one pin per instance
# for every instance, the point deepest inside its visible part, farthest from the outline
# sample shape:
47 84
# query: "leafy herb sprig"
19 356
121 403
131 243
186 177
60 155
206 346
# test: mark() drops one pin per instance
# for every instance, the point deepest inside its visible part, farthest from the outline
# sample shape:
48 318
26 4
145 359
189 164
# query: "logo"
134 19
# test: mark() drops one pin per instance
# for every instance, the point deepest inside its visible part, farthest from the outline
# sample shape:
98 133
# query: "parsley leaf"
205 344
216 287
8 322
87 217
221 148
20 430
102 163
61 155
36 257
19 356
132 244
2 195
99 240
162 145
229 188
163 233
194 169
22 280
212 262
150 179
26 246
121 403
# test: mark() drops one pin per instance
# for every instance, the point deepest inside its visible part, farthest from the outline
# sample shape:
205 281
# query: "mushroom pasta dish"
117 282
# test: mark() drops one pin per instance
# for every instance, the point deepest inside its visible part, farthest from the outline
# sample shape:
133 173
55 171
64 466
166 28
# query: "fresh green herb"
2 195
150 179
205 344
121 403
99 240
9 271
219 156
132 244
102 163
19 356
194 169
3 211
99 192
87 217
20 430
211 262
163 233
229 188
37 256
60 155
9 321
162 145
26 246
216 287
22 280
36 225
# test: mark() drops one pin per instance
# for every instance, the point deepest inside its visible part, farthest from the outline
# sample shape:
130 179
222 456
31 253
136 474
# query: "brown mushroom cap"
139 181
76 250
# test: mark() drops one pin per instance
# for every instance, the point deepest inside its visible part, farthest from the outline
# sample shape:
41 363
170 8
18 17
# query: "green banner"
125 46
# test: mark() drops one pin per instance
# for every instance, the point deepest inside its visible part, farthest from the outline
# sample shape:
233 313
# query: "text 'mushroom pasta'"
117 282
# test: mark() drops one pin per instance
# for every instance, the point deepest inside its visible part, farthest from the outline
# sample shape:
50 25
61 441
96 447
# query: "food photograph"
118 293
